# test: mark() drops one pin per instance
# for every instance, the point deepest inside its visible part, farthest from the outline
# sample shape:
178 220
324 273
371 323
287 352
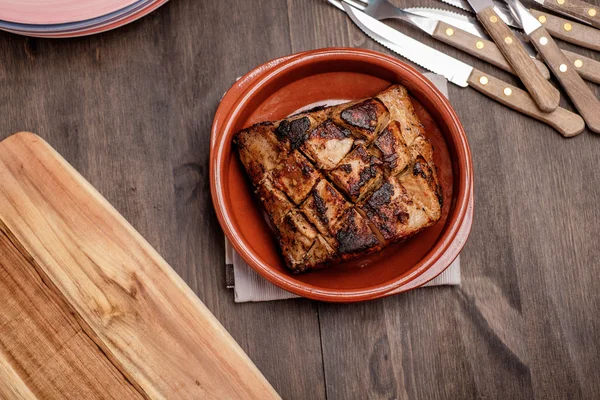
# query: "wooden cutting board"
88 308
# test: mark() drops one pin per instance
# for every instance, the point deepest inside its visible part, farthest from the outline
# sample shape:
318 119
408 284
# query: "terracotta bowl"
281 87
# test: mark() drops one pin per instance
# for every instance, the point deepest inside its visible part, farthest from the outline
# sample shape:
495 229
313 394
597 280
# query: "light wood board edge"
129 369
12 386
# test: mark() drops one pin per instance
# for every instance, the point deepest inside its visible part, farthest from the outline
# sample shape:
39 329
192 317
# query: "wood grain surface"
478 47
545 95
131 110
566 122
44 353
132 312
569 30
587 68
581 95
584 10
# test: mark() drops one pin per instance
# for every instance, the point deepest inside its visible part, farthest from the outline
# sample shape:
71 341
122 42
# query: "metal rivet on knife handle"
564 121
481 48
578 91
543 40
507 91
508 40
579 34
483 80
493 19
545 95
579 9
449 31
587 68
542 18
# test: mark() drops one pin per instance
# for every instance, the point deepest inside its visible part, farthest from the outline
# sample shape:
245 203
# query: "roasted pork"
343 181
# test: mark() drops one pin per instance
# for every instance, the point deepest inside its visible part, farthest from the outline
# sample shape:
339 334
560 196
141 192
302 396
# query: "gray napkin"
248 285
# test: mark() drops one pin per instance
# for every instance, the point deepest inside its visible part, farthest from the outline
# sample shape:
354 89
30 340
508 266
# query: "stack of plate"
70 18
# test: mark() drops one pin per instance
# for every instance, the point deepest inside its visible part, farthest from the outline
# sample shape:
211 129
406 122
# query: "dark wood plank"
132 111
521 322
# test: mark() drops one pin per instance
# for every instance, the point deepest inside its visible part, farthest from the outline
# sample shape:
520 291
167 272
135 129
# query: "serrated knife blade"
462 74
435 61
500 8
467 24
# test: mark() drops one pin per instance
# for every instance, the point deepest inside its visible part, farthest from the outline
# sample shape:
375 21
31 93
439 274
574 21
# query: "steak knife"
464 22
569 31
564 29
501 10
588 68
462 74
574 8
458 38
545 95
582 97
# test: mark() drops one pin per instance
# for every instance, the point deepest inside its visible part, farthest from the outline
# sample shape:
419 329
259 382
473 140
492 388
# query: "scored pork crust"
358 173
405 204
296 237
391 148
364 119
295 176
344 181
260 150
324 206
354 235
327 144
275 201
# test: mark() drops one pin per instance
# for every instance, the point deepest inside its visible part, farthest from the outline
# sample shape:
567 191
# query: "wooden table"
132 109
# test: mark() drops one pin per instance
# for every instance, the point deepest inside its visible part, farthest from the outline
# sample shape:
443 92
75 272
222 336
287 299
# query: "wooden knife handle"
544 94
576 8
568 30
564 121
483 49
582 97
588 68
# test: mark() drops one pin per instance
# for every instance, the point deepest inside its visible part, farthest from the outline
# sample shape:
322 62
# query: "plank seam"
322 352
289 15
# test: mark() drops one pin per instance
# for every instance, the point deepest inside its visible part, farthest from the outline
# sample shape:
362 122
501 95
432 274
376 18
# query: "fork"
384 9
458 38
380 9
588 68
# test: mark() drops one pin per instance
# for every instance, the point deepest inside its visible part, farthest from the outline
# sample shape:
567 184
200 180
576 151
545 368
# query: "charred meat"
344 181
